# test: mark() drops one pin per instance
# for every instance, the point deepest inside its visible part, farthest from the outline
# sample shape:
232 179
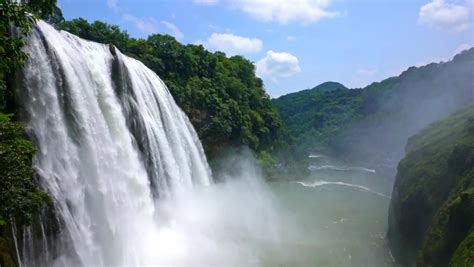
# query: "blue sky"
298 44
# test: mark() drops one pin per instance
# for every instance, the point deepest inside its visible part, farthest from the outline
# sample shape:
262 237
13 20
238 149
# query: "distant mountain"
329 86
313 113
374 123
297 103
324 87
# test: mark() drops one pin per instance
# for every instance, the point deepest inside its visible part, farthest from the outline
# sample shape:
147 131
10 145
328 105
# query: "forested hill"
328 86
316 112
296 103
431 216
221 95
373 123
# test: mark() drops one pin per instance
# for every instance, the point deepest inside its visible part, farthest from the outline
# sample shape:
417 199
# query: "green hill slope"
431 216
328 87
373 123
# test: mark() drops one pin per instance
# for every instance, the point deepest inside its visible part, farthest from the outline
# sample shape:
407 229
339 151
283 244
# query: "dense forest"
432 206
314 115
374 122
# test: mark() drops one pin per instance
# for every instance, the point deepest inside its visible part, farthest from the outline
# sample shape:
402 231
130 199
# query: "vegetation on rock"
19 194
432 209
21 200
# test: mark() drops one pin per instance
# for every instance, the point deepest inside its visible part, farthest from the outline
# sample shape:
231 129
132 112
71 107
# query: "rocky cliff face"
431 216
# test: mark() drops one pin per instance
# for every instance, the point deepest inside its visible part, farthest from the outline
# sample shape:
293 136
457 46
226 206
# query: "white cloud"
206 2
113 4
173 30
143 25
284 11
232 44
290 38
447 16
213 27
216 28
146 25
277 65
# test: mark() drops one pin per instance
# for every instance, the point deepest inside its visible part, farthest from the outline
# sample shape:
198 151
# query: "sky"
298 44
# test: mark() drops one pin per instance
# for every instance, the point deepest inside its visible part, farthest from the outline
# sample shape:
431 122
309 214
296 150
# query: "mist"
400 106
228 223
244 220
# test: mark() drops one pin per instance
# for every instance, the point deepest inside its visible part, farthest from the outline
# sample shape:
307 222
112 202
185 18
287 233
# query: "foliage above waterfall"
432 207
225 101
11 55
368 122
16 20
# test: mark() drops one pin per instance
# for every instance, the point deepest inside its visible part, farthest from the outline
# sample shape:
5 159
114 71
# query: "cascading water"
109 138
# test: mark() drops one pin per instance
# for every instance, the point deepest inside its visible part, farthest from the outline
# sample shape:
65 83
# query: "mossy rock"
451 224
7 255
464 254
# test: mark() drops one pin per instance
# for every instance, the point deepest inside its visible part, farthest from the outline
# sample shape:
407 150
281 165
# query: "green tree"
15 23
16 20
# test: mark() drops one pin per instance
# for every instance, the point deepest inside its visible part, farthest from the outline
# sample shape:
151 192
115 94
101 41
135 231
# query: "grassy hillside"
431 217
373 123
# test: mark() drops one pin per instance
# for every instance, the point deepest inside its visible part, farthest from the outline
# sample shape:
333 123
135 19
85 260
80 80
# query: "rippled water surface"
335 218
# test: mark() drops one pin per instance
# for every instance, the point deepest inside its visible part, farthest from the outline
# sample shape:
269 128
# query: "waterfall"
15 242
110 140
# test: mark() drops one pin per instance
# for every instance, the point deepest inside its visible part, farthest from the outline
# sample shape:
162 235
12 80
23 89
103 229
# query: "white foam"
325 183
339 168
